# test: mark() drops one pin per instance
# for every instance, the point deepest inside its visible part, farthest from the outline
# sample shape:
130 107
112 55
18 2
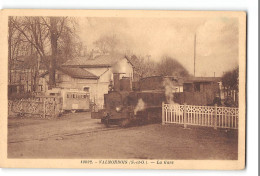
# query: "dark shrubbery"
229 102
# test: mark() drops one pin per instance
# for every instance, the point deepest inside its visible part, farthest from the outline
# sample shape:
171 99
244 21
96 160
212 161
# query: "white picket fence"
209 116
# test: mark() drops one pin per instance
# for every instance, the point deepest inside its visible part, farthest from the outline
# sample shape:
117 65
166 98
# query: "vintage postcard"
130 89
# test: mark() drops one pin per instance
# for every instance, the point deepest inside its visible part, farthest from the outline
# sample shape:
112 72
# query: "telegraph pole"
194 53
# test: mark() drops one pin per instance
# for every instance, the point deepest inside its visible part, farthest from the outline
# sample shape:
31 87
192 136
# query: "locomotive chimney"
125 84
116 77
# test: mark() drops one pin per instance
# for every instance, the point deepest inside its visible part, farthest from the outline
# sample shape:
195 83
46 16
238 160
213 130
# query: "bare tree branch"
61 28
45 23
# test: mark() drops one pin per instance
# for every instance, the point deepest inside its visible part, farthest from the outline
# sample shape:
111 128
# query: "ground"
79 136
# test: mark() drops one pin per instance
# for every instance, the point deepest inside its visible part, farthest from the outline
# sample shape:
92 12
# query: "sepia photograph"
125 89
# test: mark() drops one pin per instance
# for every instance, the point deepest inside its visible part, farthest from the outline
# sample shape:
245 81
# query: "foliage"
229 102
69 44
107 43
230 79
144 67
47 40
171 67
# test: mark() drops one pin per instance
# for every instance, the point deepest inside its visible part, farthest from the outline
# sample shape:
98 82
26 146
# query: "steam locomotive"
133 103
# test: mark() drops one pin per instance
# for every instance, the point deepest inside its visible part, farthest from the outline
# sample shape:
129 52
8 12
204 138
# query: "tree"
230 79
43 34
15 45
171 67
107 43
10 36
143 67
230 82
54 35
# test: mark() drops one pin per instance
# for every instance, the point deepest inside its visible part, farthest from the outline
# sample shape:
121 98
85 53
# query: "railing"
209 116
35 107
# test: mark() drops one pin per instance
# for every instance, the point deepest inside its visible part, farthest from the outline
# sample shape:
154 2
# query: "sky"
216 39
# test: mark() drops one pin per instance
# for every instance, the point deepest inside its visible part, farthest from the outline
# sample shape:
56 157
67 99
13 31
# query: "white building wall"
97 88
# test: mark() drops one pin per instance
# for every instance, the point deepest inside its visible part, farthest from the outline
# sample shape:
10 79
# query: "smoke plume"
169 87
140 106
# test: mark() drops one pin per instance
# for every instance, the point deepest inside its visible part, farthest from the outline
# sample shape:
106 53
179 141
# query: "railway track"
61 136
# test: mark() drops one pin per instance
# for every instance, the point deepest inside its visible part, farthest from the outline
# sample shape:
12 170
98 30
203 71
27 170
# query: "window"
86 89
187 87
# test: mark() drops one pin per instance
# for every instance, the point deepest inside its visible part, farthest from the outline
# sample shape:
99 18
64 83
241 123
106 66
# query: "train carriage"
72 99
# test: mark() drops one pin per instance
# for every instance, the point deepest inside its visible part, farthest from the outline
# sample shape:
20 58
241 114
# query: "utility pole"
194 53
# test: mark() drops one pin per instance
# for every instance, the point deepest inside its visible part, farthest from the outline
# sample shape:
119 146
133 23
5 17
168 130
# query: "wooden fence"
37 107
209 116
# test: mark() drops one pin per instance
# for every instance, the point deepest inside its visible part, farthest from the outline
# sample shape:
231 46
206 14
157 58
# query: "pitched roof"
78 73
74 73
202 79
98 61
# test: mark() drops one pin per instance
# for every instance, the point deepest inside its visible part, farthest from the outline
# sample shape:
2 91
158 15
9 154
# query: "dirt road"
79 136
